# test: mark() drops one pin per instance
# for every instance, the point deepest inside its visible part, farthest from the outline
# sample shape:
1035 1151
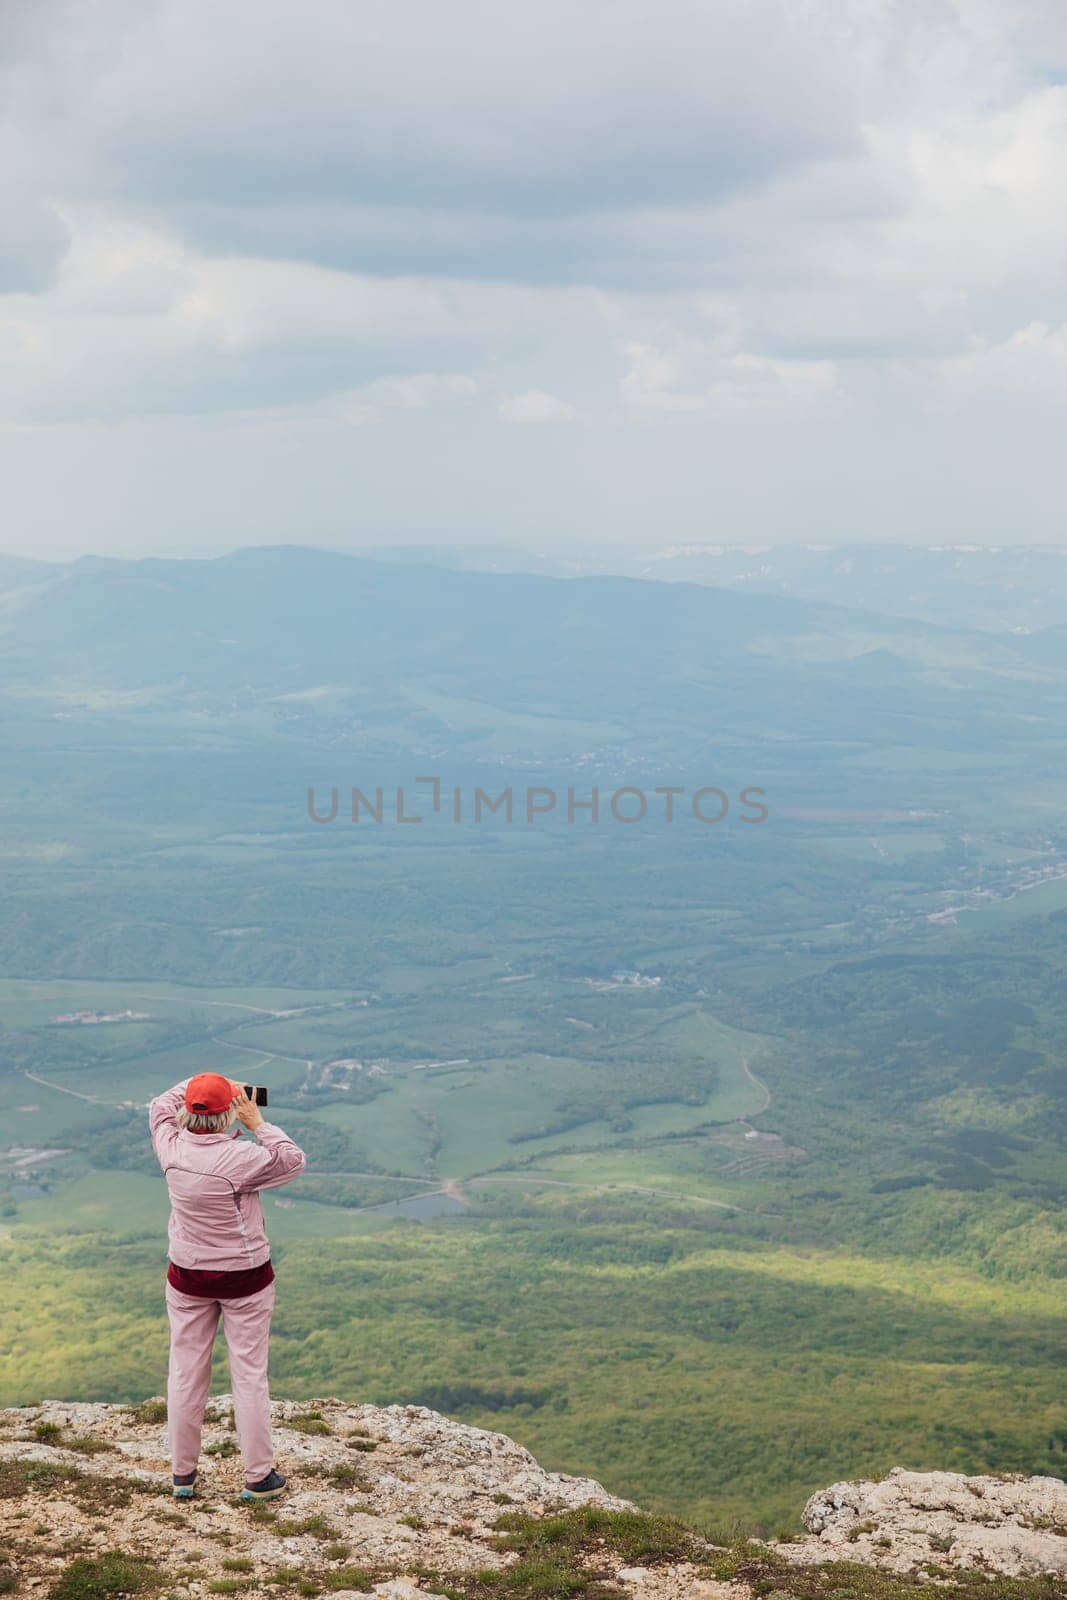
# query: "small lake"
420 1207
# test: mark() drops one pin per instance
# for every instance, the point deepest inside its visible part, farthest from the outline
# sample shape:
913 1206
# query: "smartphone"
257 1093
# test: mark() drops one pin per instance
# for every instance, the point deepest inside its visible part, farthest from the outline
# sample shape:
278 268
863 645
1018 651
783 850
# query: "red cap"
209 1091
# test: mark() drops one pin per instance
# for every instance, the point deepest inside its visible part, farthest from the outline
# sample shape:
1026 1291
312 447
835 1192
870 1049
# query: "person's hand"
248 1113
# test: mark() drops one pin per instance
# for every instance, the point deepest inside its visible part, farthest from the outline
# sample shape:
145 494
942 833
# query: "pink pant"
246 1323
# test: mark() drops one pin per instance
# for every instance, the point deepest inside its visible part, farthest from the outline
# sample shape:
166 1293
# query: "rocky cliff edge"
400 1502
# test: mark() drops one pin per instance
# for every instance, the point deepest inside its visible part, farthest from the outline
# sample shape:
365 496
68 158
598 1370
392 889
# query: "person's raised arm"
279 1159
162 1115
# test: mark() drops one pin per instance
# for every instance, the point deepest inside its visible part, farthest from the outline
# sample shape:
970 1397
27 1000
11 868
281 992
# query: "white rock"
1013 1525
403 1589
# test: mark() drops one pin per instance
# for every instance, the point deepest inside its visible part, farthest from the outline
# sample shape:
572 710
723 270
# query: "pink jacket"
216 1216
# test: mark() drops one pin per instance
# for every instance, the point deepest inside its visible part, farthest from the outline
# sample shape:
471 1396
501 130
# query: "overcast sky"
624 271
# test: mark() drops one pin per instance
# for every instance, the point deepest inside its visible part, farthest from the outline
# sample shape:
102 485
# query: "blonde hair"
206 1121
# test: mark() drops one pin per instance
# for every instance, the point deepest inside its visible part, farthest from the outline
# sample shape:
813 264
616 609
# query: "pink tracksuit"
216 1223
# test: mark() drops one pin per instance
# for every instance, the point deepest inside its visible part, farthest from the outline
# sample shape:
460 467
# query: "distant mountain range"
997 589
1010 588
428 656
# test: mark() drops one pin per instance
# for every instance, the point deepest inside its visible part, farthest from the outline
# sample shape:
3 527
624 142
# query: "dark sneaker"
184 1485
268 1488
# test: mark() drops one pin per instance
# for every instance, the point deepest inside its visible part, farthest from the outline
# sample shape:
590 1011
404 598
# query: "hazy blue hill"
997 589
475 558
126 602
15 571
1048 648
1010 590
266 623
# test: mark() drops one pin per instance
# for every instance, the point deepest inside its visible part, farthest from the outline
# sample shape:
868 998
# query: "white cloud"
1030 366
700 377
422 389
535 405
418 391
137 323
818 227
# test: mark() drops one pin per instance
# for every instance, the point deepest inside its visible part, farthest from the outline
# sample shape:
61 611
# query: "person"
219 1265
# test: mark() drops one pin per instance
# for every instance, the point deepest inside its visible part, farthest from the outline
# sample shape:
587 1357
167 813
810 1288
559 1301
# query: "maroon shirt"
209 1285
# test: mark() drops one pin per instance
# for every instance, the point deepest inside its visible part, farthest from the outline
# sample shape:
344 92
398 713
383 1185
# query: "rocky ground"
1012 1525
401 1502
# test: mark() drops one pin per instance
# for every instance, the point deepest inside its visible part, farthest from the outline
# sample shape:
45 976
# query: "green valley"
734 1146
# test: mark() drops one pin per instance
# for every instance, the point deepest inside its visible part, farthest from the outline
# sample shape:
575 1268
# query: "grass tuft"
348 1478
766 1573
543 1578
350 1578
637 1538
571 1555
317 1526
18 1478
87 1444
308 1422
105 1576
149 1411
26 1477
